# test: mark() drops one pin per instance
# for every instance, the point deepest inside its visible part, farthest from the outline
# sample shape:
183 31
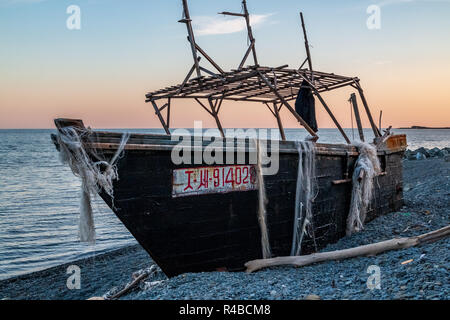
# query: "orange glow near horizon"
118 104
102 72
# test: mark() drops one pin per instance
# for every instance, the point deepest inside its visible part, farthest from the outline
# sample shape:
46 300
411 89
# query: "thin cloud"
215 25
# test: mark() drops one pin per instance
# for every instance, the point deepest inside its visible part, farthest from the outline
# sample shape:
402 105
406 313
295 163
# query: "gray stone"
442 153
423 151
420 156
433 152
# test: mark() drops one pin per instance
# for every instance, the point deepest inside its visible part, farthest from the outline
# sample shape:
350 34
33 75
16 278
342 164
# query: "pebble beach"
415 273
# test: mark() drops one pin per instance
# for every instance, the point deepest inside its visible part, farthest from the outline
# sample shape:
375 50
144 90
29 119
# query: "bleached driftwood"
144 275
370 249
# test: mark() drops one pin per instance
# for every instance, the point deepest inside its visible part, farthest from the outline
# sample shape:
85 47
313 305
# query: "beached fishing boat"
197 215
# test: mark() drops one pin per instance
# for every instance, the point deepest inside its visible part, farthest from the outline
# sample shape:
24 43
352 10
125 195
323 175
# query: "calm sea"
39 200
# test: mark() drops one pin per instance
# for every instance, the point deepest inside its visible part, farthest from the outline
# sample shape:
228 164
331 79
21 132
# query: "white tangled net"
305 194
262 202
367 167
95 175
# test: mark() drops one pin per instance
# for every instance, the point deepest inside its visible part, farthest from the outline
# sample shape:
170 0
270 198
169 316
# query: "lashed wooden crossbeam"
276 86
246 85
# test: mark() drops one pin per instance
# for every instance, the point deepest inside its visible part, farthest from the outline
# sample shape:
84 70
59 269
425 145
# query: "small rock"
442 153
273 293
423 151
433 152
312 297
420 156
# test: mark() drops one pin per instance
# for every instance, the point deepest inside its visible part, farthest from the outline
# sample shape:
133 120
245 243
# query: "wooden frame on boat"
274 87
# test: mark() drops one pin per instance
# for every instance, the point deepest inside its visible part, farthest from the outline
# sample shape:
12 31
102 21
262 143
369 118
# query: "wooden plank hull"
221 231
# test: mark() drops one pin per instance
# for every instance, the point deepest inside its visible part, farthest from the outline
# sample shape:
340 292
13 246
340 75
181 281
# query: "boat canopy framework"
275 87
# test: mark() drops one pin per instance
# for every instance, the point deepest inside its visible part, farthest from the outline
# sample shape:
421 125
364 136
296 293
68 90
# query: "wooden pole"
161 119
241 65
191 37
288 106
280 124
379 122
188 76
252 47
332 117
134 283
308 52
370 249
216 117
249 31
215 65
366 106
326 107
357 116
168 112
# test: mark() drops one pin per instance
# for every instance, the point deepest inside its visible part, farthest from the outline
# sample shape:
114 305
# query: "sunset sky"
127 48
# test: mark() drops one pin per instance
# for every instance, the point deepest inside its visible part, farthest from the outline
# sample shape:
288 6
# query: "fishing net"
95 175
306 192
367 167
262 202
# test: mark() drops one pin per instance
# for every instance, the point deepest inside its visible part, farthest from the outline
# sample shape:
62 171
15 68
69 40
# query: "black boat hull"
220 231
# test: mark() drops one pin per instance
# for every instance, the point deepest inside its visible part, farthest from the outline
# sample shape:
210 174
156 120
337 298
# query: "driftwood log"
366 250
134 283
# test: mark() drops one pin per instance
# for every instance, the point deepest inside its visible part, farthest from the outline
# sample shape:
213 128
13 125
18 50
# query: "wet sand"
427 276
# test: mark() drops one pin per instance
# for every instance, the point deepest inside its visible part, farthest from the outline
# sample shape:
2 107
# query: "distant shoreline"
420 127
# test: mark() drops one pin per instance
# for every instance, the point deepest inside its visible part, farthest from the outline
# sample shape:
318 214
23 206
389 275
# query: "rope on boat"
367 167
95 175
305 194
262 202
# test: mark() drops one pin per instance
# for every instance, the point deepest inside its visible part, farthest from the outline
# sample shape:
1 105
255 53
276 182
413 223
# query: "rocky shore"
414 273
424 153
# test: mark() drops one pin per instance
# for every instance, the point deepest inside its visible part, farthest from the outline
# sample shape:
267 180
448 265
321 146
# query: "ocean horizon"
39 198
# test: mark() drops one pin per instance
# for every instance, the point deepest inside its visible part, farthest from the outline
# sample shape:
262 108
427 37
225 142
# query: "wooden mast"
249 31
357 116
308 52
187 20
251 47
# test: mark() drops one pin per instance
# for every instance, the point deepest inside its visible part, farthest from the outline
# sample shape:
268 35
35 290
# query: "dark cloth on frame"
305 106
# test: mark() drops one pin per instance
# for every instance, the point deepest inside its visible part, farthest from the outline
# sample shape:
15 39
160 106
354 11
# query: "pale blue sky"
138 46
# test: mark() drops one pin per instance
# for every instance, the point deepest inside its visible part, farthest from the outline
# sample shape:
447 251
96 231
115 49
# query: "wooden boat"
189 223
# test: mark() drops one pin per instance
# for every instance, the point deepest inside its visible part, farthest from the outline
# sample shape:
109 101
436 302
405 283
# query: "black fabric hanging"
305 105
